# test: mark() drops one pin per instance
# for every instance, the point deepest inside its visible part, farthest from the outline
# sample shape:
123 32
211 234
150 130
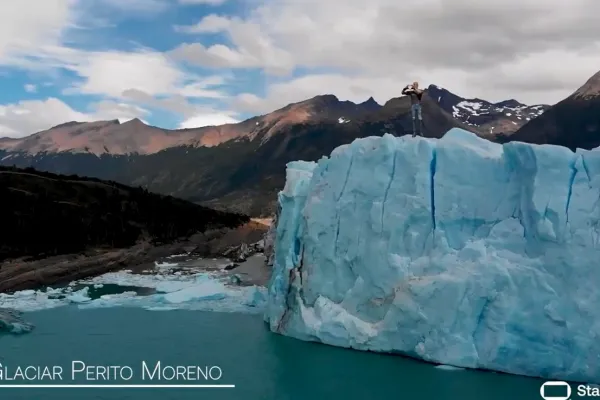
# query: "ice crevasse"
456 251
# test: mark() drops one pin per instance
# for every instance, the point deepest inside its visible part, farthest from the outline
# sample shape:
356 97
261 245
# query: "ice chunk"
458 251
11 322
257 297
177 255
198 291
33 300
80 296
208 289
165 264
448 368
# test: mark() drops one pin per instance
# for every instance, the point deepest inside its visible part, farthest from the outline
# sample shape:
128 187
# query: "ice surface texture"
457 251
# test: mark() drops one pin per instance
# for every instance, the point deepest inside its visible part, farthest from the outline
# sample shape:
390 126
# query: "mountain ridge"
573 122
245 174
590 89
503 117
114 137
136 137
244 170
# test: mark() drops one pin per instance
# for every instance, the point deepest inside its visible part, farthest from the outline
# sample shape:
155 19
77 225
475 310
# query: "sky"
191 63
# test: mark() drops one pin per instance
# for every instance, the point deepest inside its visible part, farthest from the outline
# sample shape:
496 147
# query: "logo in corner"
555 390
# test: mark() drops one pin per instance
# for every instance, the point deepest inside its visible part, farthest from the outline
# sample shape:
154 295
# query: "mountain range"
504 117
240 167
135 137
573 122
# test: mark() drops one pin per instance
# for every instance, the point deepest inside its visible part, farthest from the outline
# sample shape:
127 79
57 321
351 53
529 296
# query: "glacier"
457 251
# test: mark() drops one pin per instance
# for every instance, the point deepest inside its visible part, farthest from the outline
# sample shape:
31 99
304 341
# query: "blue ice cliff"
456 251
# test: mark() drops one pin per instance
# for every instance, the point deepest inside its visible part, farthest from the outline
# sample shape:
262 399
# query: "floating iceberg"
456 251
12 322
197 291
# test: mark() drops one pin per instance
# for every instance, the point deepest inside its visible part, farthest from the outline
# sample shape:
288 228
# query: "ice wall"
457 251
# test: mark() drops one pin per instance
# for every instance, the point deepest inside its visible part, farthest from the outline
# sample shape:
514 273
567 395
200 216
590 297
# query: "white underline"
113 386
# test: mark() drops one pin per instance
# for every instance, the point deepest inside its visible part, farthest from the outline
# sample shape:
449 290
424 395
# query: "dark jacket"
415 95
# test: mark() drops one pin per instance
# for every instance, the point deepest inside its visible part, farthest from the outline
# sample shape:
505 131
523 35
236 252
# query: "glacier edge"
457 251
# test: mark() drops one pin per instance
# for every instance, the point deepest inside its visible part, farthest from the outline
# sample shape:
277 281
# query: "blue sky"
187 63
110 30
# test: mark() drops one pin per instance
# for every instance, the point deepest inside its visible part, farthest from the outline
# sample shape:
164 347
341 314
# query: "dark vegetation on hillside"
45 214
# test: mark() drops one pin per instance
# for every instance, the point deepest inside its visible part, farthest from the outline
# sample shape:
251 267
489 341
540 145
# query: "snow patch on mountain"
477 112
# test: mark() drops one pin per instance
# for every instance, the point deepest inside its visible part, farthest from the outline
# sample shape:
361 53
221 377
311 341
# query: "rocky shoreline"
236 244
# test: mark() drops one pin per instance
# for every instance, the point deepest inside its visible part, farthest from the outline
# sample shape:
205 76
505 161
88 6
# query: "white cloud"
355 88
32 38
112 73
109 110
200 88
530 50
30 116
473 47
210 24
26 25
254 48
27 117
207 119
176 104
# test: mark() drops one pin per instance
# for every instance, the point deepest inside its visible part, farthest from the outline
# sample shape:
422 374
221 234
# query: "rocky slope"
107 224
574 122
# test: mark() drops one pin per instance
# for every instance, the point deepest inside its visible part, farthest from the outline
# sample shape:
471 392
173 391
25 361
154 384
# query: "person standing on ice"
415 100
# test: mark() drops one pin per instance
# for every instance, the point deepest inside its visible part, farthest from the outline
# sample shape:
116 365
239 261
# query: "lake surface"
260 364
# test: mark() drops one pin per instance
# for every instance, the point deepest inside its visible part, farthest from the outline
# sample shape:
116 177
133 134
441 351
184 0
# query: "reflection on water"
261 364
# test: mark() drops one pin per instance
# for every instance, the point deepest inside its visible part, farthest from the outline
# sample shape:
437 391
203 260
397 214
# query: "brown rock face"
100 137
589 89
8 143
574 122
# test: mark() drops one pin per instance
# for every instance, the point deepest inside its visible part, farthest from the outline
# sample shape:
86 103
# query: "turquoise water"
260 364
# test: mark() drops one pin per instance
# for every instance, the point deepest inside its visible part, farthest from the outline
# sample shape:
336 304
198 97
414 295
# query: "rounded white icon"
555 383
